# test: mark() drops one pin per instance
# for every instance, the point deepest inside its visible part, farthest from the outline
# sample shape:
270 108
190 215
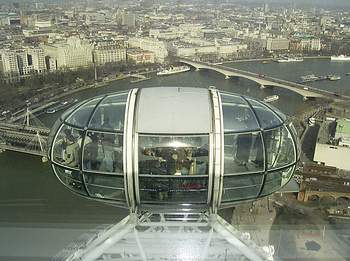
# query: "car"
261 75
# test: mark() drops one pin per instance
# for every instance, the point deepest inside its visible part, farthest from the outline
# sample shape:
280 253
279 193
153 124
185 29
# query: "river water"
29 191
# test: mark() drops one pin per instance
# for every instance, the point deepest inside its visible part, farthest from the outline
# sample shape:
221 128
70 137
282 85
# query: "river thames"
30 193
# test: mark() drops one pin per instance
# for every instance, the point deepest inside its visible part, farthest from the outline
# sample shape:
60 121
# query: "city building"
71 54
277 44
129 19
206 48
8 63
22 62
333 144
150 44
109 52
140 56
311 44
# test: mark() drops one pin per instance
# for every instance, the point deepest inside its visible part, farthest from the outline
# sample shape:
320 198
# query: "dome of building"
173 147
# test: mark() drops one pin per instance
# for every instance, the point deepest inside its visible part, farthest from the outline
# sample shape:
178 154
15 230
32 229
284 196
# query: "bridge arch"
328 200
343 201
314 198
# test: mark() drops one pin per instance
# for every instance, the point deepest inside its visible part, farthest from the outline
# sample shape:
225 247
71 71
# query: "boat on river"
271 98
290 59
333 77
174 70
340 58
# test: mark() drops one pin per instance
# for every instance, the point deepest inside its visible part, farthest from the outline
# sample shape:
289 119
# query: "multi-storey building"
150 44
22 62
109 52
8 63
128 19
277 44
72 54
140 56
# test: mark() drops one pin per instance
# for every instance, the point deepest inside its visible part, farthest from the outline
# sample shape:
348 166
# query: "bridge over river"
265 81
24 138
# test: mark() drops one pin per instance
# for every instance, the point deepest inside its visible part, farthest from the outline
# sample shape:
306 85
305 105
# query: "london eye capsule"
173 148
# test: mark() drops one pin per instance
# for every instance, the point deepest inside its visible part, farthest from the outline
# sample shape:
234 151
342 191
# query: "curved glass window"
190 189
66 149
276 179
241 187
243 153
89 139
81 116
296 138
173 165
173 155
279 147
103 152
267 118
71 178
277 111
105 186
110 113
66 113
238 116
171 168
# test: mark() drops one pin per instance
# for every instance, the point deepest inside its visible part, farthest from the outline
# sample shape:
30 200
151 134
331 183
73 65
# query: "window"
279 147
173 155
66 150
243 153
103 152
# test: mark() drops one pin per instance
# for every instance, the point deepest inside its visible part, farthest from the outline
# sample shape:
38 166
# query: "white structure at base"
333 145
168 237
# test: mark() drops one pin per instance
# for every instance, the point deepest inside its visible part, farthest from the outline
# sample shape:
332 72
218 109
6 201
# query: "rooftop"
343 126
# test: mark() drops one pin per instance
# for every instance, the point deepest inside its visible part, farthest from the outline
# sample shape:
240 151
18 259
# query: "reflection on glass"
81 116
296 137
66 113
67 147
241 187
71 178
243 153
238 116
176 190
275 180
266 116
280 147
103 152
105 186
109 114
280 114
173 155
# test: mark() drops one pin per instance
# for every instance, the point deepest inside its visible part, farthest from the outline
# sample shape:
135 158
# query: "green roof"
343 126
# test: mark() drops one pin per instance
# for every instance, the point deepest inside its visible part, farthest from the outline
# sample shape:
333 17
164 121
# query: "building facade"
22 62
277 44
140 56
150 44
72 54
109 52
333 144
